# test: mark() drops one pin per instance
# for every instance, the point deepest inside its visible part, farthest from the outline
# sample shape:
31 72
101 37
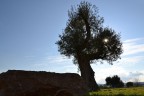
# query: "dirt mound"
33 83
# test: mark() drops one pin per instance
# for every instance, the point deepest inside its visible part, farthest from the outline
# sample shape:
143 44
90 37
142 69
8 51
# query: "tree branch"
85 44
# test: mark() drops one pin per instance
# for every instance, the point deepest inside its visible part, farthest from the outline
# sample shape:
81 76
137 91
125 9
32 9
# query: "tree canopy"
85 34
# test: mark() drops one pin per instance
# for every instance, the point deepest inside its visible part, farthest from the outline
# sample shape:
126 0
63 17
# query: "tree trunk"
87 74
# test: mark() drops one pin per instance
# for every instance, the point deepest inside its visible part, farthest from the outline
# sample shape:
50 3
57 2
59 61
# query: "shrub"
129 84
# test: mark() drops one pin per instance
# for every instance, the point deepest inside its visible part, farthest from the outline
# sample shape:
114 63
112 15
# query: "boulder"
40 83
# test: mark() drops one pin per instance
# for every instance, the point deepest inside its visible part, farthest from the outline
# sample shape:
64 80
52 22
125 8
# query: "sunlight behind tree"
106 40
87 40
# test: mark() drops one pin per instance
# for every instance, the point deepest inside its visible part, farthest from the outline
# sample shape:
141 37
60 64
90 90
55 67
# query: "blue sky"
30 28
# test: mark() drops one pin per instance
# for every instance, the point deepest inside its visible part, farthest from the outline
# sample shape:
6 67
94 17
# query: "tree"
129 84
87 41
121 84
114 81
108 81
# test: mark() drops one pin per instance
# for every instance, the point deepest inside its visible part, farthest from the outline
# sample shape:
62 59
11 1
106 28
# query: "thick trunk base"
87 74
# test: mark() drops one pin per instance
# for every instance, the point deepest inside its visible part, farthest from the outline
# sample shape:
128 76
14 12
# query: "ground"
134 91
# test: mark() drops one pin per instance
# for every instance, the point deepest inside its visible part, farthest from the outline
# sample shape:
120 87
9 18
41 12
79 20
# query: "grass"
135 91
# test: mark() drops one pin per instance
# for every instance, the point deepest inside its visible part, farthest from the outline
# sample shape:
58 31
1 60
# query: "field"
135 91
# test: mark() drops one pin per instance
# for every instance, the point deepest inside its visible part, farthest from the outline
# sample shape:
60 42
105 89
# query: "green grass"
135 91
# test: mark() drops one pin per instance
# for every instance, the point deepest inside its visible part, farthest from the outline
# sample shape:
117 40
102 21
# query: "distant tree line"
114 82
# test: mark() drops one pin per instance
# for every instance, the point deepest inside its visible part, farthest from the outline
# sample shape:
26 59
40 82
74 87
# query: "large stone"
31 83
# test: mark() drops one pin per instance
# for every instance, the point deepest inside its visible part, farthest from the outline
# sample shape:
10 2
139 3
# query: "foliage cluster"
114 82
85 34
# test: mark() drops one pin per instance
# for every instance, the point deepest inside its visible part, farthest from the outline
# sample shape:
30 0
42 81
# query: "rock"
33 83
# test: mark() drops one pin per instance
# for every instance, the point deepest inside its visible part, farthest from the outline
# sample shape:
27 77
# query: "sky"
30 28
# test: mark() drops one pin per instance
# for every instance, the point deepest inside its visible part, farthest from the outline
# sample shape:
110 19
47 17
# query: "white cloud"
58 59
125 74
103 71
57 63
54 60
133 46
130 61
137 76
133 40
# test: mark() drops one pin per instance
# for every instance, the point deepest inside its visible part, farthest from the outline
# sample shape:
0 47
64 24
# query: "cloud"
130 61
54 60
58 59
136 74
133 40
104 70
133 46
57 63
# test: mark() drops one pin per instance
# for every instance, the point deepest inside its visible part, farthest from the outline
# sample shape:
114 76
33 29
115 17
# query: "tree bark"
87 74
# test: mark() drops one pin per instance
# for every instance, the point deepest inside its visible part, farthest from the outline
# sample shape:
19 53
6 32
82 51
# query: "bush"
129 84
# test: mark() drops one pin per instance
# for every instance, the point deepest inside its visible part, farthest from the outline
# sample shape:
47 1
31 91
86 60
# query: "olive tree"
86 40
